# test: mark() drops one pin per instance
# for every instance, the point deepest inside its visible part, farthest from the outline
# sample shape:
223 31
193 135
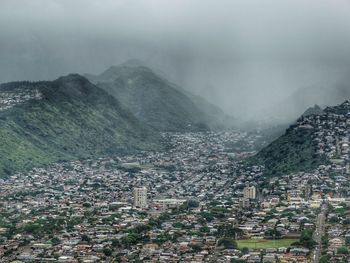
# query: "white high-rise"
249 192
140 197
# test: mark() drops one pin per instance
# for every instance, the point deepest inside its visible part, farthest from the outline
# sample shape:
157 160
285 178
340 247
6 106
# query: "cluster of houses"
95 199
337 232
195 202
331 132
12 97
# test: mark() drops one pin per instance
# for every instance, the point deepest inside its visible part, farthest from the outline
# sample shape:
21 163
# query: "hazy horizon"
240 55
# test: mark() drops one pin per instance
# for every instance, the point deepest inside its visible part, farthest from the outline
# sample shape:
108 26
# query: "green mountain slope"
318 137
73 119
157 102
294 151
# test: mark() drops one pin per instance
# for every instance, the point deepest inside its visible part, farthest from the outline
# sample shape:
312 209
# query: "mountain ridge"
156 101
315 139
73 119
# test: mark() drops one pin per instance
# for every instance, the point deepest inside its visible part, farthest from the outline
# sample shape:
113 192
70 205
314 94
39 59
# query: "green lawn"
263 243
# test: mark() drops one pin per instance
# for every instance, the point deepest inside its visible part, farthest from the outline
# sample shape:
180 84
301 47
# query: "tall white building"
249 192
140 197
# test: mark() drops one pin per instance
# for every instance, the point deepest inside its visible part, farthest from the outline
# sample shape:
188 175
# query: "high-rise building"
249 192
140 197
244 202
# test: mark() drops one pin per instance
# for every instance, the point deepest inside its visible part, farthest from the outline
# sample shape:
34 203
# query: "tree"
228 230
115 242
218 212
107 251
130 239
245 251
273 233
306 239
343 250
188 205
207 216
86 205
334 220
227 242
324 259
204 229
85 238
55 241
192 203
178 225
324 240
138 229
195 248
347 241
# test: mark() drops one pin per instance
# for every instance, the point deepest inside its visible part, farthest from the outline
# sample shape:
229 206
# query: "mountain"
313 110
65 119
157 102
213 116
315 139
294 151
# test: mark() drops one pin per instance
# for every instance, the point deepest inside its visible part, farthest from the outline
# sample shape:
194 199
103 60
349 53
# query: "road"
319 232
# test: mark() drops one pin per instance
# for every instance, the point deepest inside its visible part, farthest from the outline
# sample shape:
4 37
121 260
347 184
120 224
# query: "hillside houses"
83 211
10 98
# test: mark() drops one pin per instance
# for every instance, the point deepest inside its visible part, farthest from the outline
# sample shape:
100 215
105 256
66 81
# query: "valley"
198 206
178 131
85 177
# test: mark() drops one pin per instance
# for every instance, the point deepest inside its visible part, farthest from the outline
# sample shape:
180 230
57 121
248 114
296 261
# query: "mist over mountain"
243 56
313 110
289 109
175 131
157 102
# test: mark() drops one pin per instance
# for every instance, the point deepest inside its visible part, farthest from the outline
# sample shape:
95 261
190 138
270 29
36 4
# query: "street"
320 224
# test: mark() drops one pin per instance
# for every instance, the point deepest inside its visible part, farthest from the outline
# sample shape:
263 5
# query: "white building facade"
140 197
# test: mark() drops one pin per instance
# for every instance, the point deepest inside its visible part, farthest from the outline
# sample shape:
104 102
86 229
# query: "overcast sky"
240 54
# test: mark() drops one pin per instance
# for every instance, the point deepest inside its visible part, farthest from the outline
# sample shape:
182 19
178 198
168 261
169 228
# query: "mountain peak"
72 78
73 85
115 72
156 101
315 110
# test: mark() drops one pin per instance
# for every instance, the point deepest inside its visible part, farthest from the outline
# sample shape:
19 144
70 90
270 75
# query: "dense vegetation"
73 120
292 152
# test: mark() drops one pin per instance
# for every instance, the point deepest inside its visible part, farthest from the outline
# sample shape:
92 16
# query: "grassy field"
256 243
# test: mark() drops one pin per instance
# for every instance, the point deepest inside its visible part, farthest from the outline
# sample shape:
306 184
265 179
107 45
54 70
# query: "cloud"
237 53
